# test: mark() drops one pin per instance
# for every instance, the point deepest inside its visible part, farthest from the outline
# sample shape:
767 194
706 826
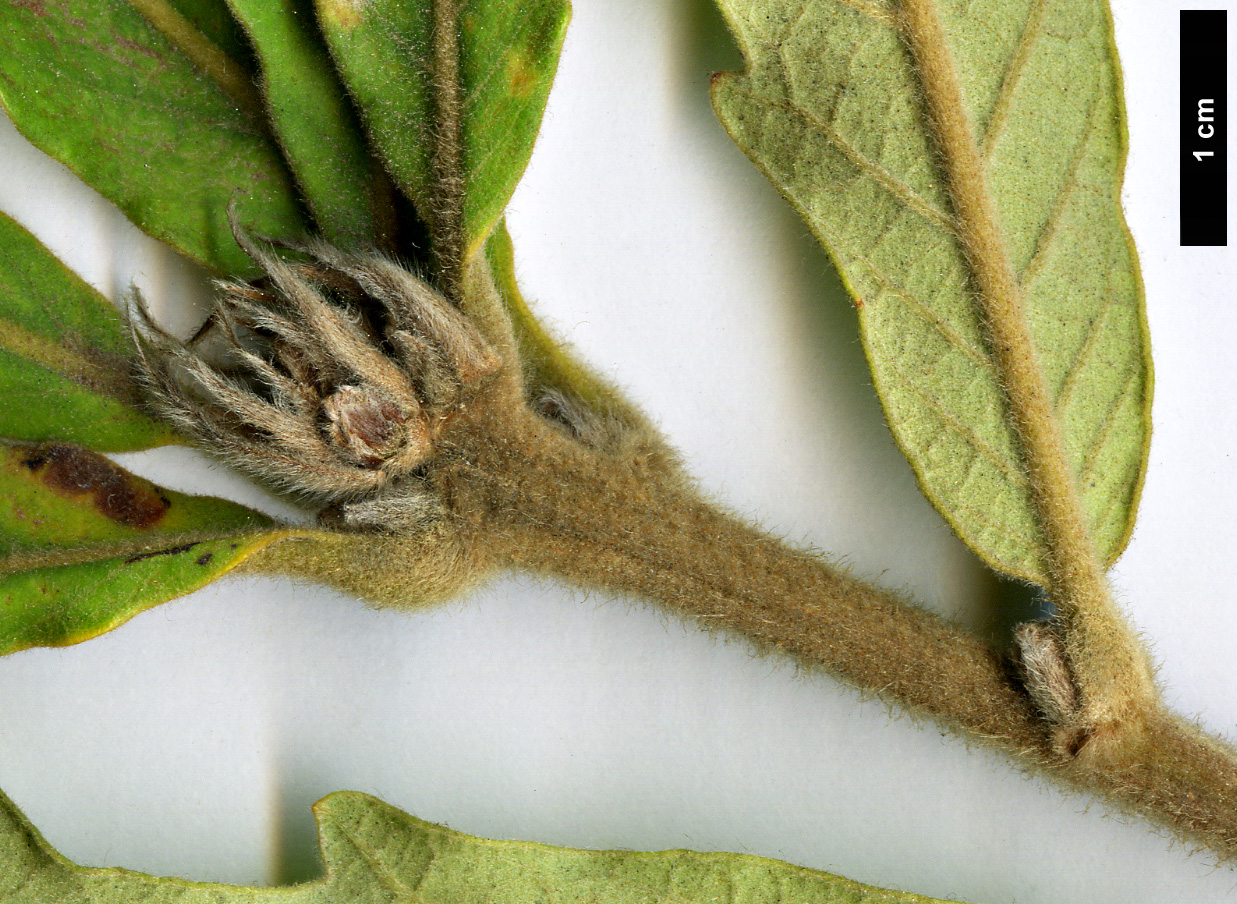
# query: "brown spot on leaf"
75 473
204 558
346 14
521 76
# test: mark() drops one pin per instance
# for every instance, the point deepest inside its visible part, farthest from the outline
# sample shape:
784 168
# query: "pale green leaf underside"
377 854
828 110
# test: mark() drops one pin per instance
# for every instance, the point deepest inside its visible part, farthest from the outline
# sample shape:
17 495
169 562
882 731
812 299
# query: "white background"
193 740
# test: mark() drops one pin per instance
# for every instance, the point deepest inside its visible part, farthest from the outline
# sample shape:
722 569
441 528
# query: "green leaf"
85 545
509 51
829 109
376 853
317 129
64 356
215 22
167 128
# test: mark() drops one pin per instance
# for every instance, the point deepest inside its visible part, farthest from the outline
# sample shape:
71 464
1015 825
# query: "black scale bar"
1204 127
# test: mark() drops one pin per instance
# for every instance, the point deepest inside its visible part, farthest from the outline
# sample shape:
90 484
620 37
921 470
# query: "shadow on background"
829 326
296 850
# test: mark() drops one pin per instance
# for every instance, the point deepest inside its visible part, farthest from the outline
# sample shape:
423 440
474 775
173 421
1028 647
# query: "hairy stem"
546 506
1104 653
447 162
537 501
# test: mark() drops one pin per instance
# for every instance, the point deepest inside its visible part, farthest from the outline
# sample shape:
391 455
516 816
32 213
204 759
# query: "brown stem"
1178 776
537 501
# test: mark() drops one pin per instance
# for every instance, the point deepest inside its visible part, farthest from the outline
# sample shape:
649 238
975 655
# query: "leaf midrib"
58 359
998 296
221 69
1108 662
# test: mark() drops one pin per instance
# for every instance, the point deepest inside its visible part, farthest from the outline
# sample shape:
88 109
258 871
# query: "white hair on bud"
1046 673
335 377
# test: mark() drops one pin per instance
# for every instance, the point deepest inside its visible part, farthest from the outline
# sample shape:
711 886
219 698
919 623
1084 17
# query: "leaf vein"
377 864
1100 437
902 192
1078 366
873 11
792 21
931 318
1049 232
983 521
1013 74
968 432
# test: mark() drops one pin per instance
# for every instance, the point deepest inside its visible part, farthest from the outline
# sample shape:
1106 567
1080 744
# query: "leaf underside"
828 108
376 853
